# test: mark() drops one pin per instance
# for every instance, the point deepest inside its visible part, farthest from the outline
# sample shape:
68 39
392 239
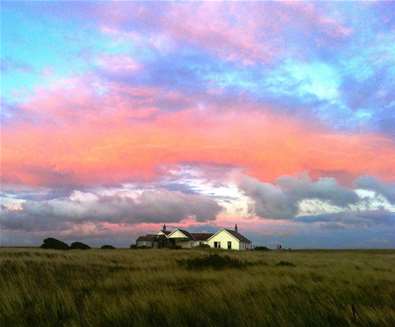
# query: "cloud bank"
149 206
301 199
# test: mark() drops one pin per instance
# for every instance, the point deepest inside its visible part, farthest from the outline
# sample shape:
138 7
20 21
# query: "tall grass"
155 288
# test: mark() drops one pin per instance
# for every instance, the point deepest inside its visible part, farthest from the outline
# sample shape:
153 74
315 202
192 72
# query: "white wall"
144 243
224 237
185 244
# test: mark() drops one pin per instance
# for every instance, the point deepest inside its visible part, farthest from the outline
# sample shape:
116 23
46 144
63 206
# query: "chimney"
236 230
164 228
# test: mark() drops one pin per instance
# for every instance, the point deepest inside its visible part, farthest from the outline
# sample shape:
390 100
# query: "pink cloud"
118 64
71 134
248 33
314 16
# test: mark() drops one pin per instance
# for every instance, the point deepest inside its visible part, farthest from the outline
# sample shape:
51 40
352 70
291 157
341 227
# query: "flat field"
171 288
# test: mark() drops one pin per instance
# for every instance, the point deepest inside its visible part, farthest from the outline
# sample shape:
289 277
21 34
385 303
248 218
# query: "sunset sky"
118 117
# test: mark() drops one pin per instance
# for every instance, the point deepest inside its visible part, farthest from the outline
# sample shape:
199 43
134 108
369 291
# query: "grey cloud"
148 206
356 219
374 184
281 200
323 189
29 222
270 200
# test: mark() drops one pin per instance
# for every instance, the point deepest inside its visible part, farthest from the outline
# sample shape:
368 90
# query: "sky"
119 117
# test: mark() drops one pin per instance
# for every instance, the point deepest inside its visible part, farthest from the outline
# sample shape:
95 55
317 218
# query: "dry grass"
152 288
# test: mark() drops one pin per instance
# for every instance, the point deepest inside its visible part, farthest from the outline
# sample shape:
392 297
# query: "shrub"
285 264
107 247
214 261
261 248
135 247
53 243
79 246
203 246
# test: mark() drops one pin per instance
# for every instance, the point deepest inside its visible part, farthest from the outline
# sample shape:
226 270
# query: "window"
229 245
215 244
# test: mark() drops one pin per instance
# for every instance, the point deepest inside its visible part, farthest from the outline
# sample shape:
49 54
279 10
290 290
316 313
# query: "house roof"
201 236
235 234
238 236
188 234
148 237
192 236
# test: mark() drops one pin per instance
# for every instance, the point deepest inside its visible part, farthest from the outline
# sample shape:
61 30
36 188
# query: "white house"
224 239
229 239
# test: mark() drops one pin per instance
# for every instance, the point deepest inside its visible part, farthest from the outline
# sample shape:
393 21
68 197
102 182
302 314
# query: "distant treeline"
53 243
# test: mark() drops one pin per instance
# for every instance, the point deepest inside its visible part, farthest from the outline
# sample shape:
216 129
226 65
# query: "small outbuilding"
146 241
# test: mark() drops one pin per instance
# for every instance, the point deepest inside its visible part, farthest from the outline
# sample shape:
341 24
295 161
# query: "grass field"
159 288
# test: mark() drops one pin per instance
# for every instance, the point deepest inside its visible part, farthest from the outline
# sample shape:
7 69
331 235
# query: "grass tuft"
213 261
285 264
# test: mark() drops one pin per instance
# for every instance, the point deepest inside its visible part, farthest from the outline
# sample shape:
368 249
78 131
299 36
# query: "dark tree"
107 247
79 246
261 248
53 243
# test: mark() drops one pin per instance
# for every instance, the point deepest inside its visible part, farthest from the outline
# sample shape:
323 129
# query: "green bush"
203 246
135 247
262 248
